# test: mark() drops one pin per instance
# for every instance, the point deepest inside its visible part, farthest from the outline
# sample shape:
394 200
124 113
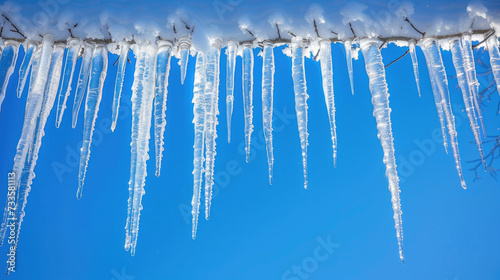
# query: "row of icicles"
51 80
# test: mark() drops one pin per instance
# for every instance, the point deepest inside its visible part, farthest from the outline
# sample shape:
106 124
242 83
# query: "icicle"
267 103
231 62
184 46
33 108
470 70
348 53
74 46
414 61
247 81
7 65
492 45
211 112
382 113
120 75
458 62
97 76
142 106
199 136
300 89
29 48
439 107
83 79
160 102
325 57
435 62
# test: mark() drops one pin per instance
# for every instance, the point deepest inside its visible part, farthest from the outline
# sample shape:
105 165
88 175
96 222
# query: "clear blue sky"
259 231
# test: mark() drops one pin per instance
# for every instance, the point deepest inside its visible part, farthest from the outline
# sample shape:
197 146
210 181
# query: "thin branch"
352 30
250 32
16 30
484 40
397 59
407 20
382 45
317 53
316 29
279 34
334 33
175 30
116 61
291 34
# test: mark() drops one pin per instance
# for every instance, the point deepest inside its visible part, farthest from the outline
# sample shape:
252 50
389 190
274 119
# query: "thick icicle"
300 90
458 62
230 66
29 48
33 109
120 75
142 107
414 61
439 107
160 102
382 113
184 46
74 46
199 136
435 62
348 54
470 70
492 45
96 81
267 103
83 79
325 57
7 65
247 82
211 113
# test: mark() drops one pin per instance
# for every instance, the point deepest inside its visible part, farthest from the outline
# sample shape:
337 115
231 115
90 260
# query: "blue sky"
259 231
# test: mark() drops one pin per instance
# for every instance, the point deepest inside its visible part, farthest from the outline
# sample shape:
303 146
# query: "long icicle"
184 46
382 113
97 76
348 54
267 103
439 107
74 47
160 102
29 48
83 79
300 90
325 57
470 70
120 76
458 63
142 107
33 108
414 62
7 65
492 45
211 113
26 176
433 57
199 136
230 67
247 82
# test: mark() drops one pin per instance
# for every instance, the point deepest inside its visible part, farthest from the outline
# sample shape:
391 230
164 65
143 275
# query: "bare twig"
334 33
250 32
407 20
382 45
279 34
397 59
116 61
16 30
484 40
173 27
352 30
316 29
